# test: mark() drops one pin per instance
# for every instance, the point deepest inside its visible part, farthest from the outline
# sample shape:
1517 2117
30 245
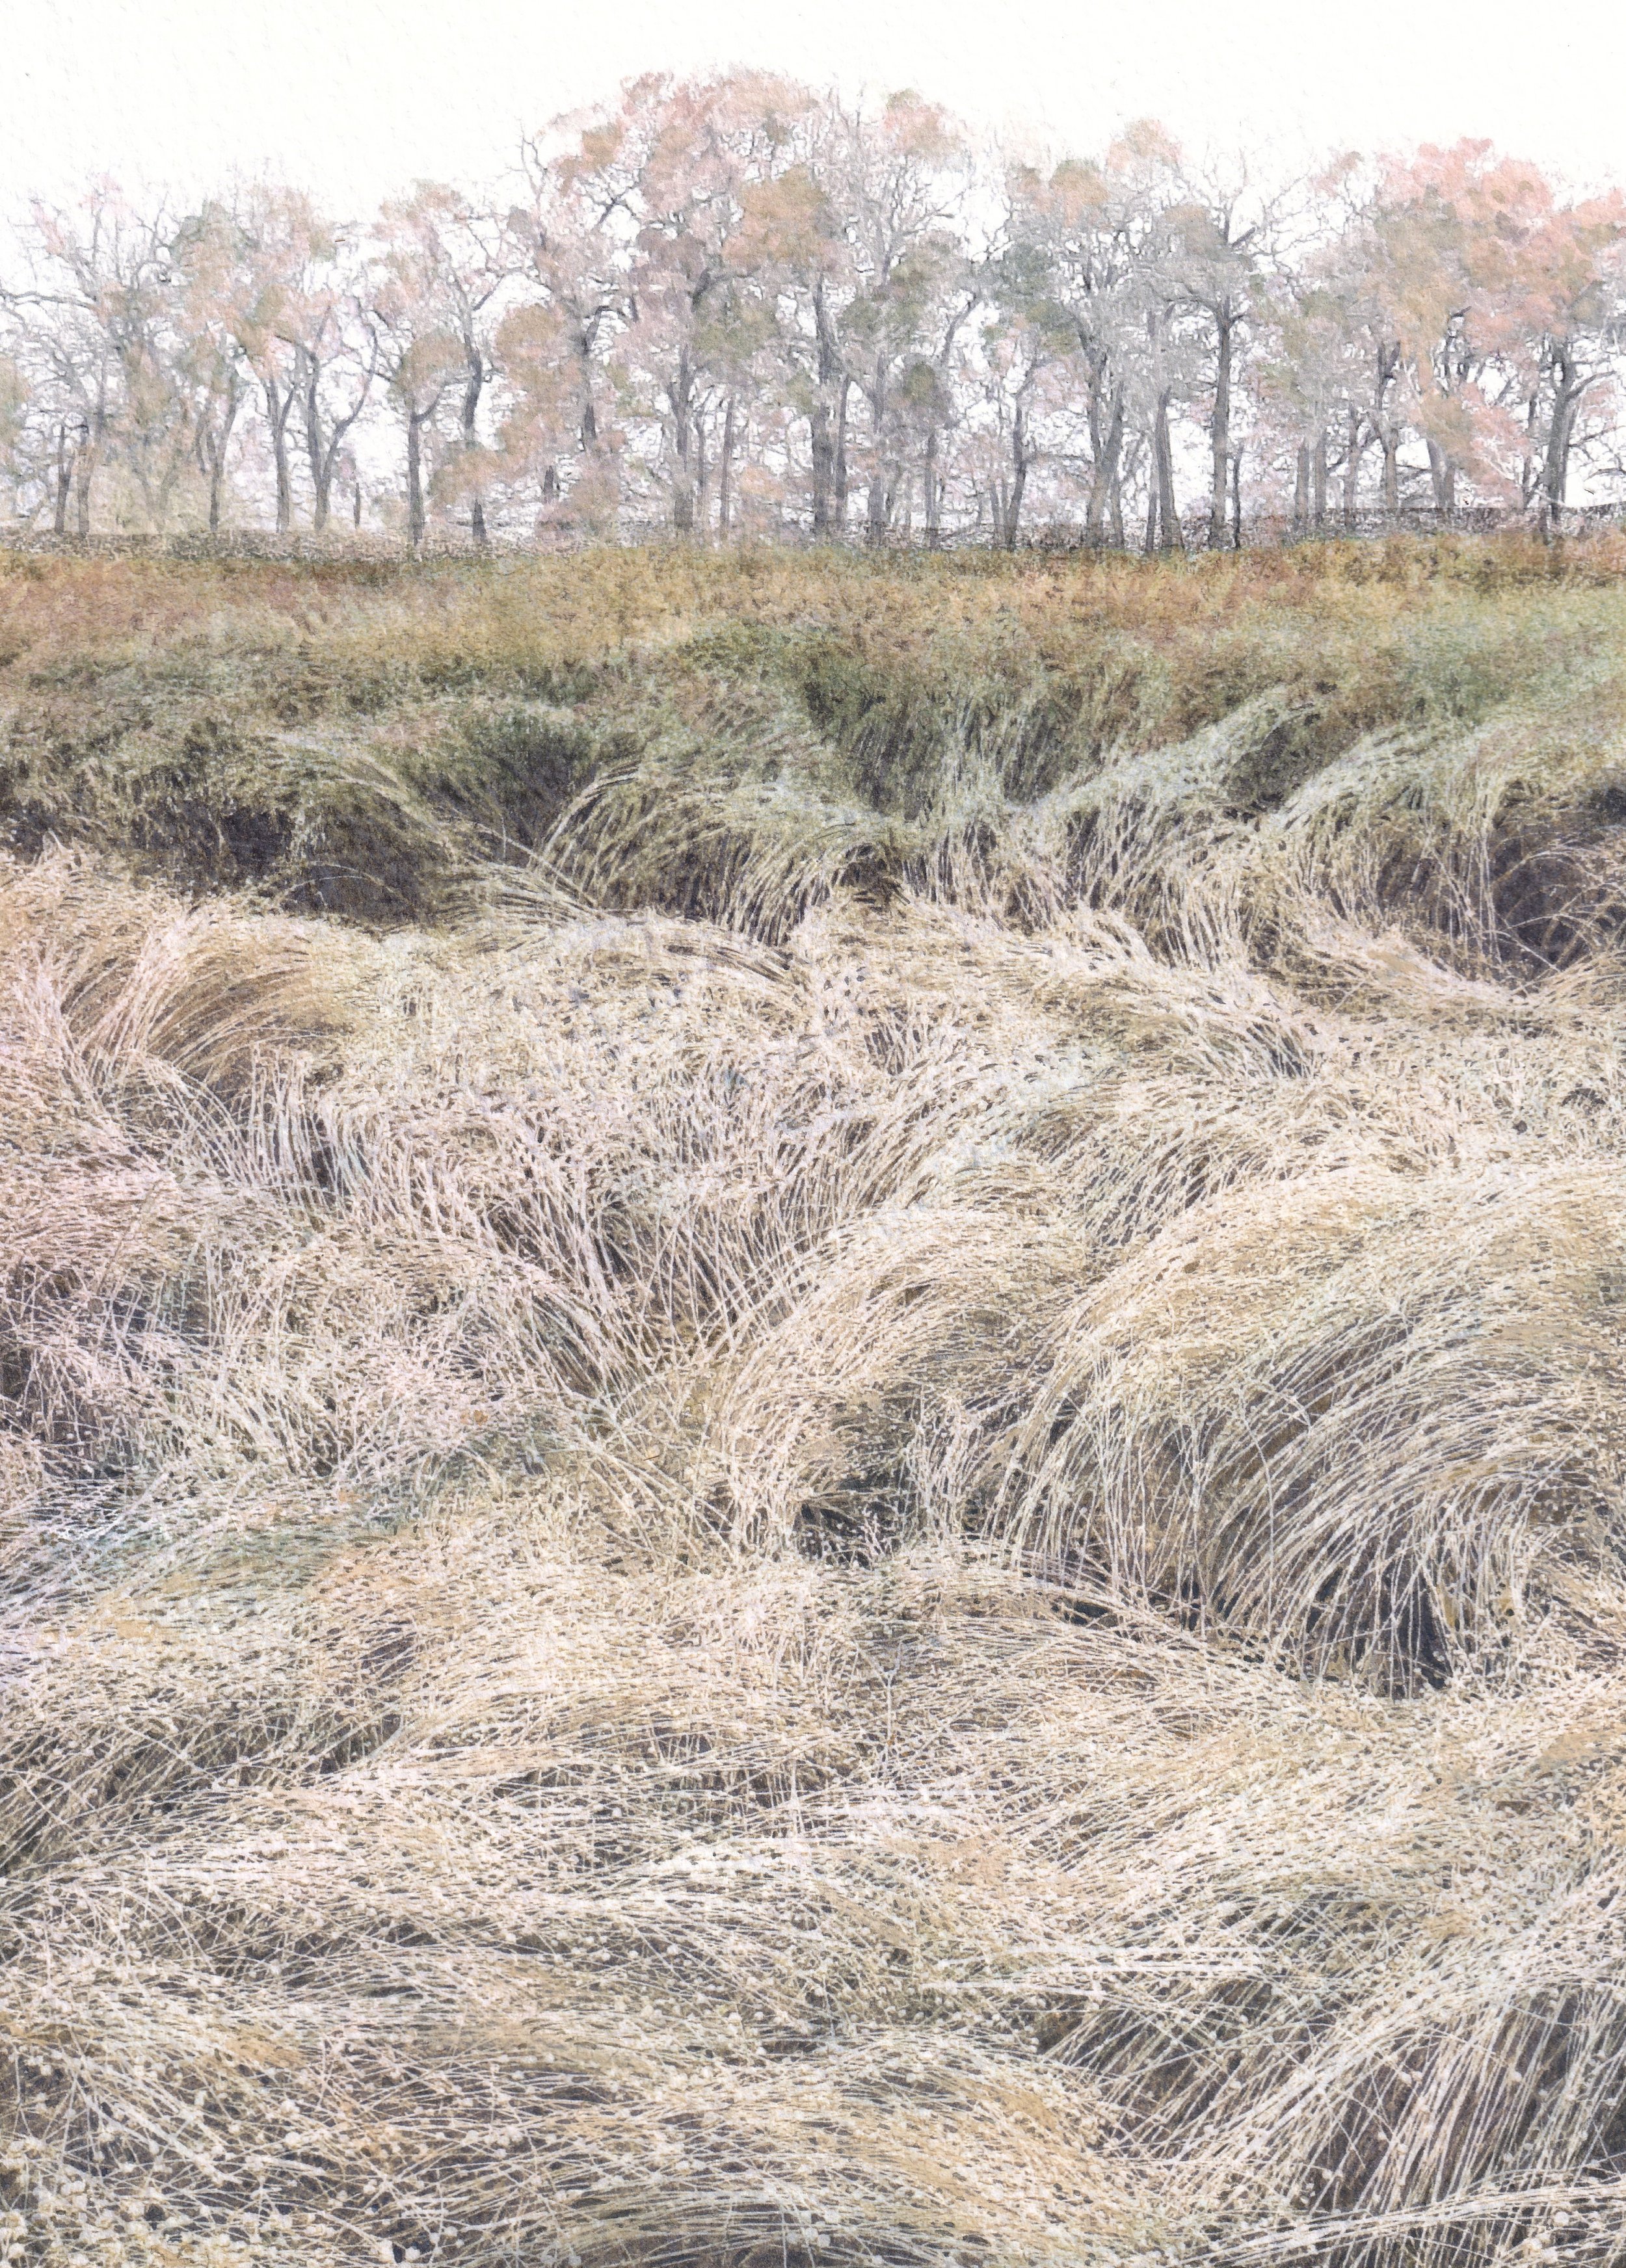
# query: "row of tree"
737 304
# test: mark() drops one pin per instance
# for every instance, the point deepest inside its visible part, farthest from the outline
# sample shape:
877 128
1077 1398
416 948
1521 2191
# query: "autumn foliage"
736 307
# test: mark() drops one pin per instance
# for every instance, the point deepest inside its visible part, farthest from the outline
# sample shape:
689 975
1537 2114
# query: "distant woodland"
738 306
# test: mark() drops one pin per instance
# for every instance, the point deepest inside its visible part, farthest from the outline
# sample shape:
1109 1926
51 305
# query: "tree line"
736 305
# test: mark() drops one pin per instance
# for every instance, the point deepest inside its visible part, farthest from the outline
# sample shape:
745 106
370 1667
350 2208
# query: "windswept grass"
813 1380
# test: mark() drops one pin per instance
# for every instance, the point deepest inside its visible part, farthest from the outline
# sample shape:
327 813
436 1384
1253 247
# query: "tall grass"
812 1379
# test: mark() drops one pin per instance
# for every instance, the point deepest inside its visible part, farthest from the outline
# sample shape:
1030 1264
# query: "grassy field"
813 1411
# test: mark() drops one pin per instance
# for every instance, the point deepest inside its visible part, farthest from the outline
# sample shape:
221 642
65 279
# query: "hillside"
813 1410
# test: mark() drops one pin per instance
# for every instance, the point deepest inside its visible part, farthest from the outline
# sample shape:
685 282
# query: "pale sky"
356 98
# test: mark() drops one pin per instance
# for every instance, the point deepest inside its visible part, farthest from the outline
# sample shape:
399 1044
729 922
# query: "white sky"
357 97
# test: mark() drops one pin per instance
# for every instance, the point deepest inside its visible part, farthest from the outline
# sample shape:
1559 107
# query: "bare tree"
460 257
96 312
211 360
1098 238
281 247
572 298
1221 227
898 179
421 358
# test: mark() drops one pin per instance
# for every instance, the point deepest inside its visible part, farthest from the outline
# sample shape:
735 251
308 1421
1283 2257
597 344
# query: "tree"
1221 225
802 256
213 366
1448 244
574 296
337 357
1484 310
421 357
1028 354
458 258
25 464
691 155
275 246
96 315
1308 390
897 180
1099 234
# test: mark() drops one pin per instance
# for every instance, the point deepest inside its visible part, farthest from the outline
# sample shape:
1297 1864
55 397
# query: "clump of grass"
810 1441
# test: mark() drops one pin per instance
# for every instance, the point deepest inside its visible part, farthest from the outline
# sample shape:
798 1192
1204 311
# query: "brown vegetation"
812 1405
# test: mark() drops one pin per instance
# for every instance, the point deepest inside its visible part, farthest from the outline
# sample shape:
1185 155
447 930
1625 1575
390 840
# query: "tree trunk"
1219 430
278 408
725 471
928 488
1301 490
1389 438
64 479
415 422
1443 478
1106 487
1529 475
320 464
838 486
83 474
876 516
165 496
1388 431
1236 499
1095 509
1317 482
216 446
1352 471
1170 538
1556 463
582 346
683 446
473 387
821 427
1018 475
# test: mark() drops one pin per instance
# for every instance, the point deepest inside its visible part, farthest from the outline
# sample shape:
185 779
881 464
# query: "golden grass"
844 1513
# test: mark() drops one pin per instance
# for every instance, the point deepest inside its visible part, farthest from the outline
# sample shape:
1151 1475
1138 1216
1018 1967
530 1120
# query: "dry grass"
857 1498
